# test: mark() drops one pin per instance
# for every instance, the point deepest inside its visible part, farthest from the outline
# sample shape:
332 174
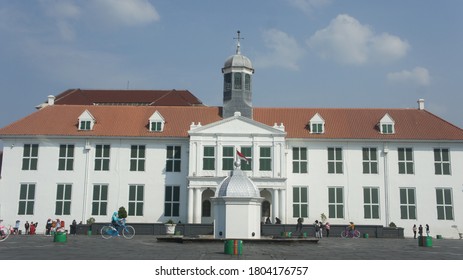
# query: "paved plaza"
147 247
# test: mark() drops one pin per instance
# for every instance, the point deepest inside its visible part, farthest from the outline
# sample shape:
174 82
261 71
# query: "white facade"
278 186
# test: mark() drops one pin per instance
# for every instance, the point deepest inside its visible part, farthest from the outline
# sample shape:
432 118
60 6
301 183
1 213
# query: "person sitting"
351 228
267 221
277 221
116 221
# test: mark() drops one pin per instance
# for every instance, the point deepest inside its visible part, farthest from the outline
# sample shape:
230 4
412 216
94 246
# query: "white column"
190 204
283 205
275 205
197 206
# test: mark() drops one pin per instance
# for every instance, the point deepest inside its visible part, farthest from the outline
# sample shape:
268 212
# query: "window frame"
300 160
66 157
26 200
102 158
335 164
228 158
30 157
99 202
172 201
173 158
336 207
371 200
247 152
135 203
265 158
441 165
300 202
445 207
407 203
63 199
137 157
209 158
405 164
368 164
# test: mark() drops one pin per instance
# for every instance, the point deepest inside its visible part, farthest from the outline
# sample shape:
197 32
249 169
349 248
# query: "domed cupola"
237 185
237 88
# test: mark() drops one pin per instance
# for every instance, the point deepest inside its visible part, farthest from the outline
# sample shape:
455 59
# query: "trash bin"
365 235
233 247
60 237
425 241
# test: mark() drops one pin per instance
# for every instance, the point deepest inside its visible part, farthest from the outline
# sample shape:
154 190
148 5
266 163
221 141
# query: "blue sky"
306 53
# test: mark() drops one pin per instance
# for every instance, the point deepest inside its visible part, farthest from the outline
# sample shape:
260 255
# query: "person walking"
414 231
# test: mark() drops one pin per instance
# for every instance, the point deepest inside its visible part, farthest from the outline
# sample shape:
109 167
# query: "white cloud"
346 40
308 6
284 50
134 12
419 76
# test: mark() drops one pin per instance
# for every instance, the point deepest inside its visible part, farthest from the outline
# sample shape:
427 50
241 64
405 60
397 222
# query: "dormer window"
156 122
317 124
387 125
86 121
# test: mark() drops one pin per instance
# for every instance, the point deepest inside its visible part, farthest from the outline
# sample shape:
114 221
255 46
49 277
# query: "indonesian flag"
241 156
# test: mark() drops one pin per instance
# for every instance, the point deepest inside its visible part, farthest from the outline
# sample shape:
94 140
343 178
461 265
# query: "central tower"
237 84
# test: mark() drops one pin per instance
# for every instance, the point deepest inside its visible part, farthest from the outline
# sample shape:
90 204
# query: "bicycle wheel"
356 234
128 232
344 233
106 232
4 235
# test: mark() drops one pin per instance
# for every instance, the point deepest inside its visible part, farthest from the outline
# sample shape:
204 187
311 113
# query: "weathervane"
238 45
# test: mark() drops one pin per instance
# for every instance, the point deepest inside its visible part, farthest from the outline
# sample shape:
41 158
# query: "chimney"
421 104
51 100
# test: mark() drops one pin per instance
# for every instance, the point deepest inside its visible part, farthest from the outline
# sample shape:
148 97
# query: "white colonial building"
162 155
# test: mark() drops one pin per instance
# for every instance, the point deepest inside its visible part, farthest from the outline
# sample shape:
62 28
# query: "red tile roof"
132 121
112 97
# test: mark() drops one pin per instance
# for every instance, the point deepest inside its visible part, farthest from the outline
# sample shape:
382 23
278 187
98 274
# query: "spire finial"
238 38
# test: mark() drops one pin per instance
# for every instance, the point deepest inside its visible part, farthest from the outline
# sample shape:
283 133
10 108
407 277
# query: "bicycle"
109 231
347 233
4 233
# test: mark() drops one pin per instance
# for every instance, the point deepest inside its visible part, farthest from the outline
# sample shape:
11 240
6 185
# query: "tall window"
370 161
335 202
407 204
102 157
135 200
30 156
209 158
137 158
299 160
228 156
444 204
300 202
66 157
335 160
173 158
405 160
206 208
26 199
247 152
442 161
100 200
247 82
63 199
172 201
265 160
370 203
238 80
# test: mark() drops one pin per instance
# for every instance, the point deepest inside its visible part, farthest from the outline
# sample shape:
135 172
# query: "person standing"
299 224
73 227
16 227
327 228
26 227
317 229
420 230
414 231
427 230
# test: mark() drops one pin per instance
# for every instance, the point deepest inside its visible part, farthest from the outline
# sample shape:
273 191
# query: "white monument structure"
237 207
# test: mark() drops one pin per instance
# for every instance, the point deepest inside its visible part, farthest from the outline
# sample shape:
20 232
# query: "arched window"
265 209
206 208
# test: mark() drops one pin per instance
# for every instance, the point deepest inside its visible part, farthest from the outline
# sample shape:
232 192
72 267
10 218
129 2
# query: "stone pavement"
146 247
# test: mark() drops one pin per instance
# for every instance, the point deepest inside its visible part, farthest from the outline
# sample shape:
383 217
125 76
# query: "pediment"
236 125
